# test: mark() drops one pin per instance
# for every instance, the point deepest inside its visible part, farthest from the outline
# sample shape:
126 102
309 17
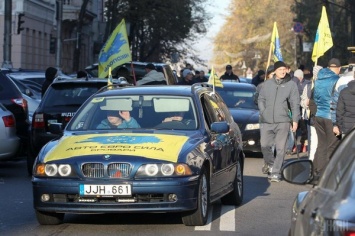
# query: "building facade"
35 45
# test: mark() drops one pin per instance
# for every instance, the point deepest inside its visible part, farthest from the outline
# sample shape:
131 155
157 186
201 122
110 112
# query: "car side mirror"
298 171
220 127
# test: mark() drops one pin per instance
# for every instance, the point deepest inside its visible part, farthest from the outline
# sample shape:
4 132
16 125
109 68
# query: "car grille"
114 170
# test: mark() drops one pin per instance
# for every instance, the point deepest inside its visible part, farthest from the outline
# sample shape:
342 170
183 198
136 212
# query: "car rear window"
8 89
72 94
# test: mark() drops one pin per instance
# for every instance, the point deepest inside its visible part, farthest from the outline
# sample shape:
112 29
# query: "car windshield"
238 99
160 112
69 94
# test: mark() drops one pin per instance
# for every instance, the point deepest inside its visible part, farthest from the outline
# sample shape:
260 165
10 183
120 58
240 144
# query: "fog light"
251 142
45 197
172 197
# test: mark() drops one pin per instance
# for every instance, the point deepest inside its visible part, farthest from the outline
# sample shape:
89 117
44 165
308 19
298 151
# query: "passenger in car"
118 119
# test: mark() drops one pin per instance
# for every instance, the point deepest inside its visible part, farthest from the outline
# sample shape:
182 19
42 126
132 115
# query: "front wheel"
49 218
236 196
199 216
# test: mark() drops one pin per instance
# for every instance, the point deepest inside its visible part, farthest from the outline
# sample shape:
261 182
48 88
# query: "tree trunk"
77 50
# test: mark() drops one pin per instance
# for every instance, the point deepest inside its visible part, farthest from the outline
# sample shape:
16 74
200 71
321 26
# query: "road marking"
227 219
206 227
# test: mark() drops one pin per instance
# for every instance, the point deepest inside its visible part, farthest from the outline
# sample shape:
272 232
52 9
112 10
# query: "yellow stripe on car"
155 146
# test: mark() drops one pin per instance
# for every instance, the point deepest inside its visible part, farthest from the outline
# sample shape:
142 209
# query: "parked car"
34 76
328 208
32 97
139 72
239 98
9 141
12 98
59 104
179 165
245 80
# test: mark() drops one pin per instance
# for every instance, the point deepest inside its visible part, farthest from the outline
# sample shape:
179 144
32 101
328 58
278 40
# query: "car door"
322 200
220 152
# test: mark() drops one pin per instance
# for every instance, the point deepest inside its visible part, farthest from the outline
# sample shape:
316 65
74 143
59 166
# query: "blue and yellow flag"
115 52
214 79
275 43
323 40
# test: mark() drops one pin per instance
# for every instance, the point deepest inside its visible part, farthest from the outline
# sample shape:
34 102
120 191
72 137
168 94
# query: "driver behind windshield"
118 120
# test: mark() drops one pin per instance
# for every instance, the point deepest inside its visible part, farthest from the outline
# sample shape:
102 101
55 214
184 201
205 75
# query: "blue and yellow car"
142 149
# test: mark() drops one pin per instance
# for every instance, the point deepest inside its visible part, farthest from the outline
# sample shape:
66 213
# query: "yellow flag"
115 52
275 43
214 79
323 40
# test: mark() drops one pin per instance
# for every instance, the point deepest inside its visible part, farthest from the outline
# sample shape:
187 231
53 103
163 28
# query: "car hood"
245 116
164 147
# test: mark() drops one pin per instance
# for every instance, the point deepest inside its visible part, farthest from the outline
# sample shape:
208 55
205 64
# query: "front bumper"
147 196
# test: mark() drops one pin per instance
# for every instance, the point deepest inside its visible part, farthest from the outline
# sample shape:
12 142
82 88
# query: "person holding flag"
115 52
275 95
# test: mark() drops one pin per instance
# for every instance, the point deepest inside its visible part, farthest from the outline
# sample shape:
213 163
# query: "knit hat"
279 64
316 69
186 72
261 72
51 73
229 67
298 73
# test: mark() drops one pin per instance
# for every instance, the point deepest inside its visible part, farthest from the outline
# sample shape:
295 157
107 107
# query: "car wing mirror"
298 171
220 127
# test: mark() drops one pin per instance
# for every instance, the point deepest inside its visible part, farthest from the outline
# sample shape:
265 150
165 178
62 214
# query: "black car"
138 71
329 207
176 149
59 104
12 98
239 98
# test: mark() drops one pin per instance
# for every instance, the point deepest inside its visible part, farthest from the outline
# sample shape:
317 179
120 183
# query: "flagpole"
268 59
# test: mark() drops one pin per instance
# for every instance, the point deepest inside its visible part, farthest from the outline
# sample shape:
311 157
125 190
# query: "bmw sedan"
239 98
142 149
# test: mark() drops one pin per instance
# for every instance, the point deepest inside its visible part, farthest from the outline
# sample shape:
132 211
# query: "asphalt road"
266 211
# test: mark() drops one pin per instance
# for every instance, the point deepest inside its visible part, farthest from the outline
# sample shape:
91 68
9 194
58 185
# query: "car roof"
237 85
181 90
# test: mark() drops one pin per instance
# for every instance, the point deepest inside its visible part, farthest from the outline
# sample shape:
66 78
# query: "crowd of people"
315 105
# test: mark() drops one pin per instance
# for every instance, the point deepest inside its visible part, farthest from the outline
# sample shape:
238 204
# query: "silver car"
9 142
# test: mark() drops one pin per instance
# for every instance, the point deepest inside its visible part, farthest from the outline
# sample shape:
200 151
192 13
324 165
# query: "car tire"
236 196
199 216
49 218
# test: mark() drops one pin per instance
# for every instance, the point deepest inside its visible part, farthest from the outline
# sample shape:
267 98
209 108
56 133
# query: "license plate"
108 190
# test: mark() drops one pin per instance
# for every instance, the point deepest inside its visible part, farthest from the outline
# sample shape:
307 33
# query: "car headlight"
252 126
163 170
53 170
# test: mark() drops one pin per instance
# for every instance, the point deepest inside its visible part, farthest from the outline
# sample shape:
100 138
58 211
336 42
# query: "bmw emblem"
106 157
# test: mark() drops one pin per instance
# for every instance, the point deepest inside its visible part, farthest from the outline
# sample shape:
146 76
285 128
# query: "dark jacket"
230 76
50 74
345 111
323 88
276 98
